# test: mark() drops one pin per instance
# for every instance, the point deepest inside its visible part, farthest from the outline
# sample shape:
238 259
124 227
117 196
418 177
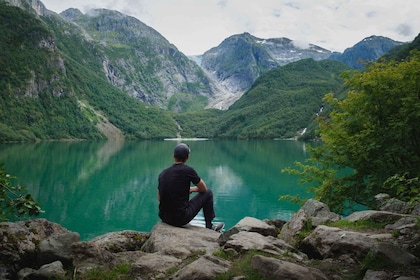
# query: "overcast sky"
195 26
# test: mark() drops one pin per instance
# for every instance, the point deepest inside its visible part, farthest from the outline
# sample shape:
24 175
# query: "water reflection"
97 187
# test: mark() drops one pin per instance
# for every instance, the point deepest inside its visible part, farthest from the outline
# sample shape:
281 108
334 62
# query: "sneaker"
219 227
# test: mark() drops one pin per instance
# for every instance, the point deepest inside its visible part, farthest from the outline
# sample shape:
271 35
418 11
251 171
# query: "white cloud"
195 26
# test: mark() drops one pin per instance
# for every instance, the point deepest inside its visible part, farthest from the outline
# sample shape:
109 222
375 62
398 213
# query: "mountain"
141 62
107 75
240 59
53 84
403 51
369 49
280 104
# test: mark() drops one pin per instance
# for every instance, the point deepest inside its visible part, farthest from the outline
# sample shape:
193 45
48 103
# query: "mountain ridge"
126 73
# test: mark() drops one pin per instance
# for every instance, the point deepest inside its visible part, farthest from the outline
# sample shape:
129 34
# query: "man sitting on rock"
175 207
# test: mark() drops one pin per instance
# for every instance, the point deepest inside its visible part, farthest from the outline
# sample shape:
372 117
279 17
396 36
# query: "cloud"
195 26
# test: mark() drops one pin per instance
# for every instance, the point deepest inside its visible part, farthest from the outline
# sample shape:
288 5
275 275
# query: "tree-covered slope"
281 102
141 62
48 71
401 52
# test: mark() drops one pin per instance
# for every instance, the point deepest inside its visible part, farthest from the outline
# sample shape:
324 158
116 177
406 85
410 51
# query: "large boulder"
331 242
20 243
312 213
244 241
375 216
57 248
181 242
54 270
277 269
319 212
205 268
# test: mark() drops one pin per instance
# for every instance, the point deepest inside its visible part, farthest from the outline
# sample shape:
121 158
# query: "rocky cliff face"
138 60
240 59
368 50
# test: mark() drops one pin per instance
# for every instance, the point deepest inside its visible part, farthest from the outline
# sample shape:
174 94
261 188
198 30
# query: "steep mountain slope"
139 61
281 103
240 59
367 50
52 84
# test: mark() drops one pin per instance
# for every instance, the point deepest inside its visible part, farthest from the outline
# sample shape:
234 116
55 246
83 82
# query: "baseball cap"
182 150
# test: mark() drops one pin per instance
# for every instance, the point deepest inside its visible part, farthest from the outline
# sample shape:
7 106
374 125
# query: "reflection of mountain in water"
100 159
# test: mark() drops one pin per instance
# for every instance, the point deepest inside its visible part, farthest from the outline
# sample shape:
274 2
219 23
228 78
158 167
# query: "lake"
97 187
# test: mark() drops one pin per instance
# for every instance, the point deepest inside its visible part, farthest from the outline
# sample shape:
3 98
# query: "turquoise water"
97 187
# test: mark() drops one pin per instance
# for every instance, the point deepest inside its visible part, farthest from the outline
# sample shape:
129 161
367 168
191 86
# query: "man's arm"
199 187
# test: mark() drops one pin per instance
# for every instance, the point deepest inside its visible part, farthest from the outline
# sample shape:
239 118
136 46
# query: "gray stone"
396 206
319 212
206 267
296 225
54 270
20 239
127 240
376 275
393 254
181 241
244 241
249 224
152 263
333 242
376 216
57 247
278 269
406 222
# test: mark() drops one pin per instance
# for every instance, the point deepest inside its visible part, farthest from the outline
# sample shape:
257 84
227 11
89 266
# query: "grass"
357 225
241 265
120 271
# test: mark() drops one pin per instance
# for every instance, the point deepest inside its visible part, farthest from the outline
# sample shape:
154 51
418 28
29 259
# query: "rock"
376 275
276 269
127 240
57 247
181 241
206 267
325 242
19 242
153 263
189 250
396 206
54 270
251 225
88 255
244 241
294 227
376 216
312 213
393 255
319 212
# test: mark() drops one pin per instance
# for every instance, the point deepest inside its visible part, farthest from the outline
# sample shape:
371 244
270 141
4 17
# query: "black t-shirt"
174 189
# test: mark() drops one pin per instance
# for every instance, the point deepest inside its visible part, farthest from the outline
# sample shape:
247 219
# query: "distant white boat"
185 139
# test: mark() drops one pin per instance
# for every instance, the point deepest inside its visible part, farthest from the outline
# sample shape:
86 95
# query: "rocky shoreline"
306 247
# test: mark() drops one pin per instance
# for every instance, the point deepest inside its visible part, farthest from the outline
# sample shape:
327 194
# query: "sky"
195 26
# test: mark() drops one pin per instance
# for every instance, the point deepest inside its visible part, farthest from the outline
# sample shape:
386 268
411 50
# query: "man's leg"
202 200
